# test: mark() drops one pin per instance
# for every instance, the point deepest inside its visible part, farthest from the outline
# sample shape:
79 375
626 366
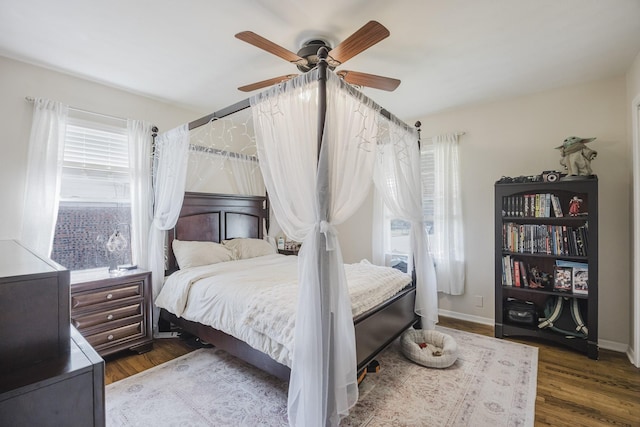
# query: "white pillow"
249 248
194 253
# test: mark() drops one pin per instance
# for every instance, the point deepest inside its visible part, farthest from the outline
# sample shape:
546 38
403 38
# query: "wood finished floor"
573 390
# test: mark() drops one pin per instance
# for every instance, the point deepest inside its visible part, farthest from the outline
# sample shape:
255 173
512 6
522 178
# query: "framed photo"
580 278
563 279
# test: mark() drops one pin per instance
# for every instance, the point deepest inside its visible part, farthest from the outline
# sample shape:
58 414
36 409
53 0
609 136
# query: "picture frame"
580 280
563 279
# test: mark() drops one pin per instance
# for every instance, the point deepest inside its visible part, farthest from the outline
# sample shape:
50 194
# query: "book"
547 205
516 273
557 207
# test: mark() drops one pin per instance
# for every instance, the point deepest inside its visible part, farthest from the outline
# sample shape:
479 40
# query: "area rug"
492 383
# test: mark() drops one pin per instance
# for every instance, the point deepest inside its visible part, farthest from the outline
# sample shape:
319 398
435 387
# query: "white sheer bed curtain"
230 173
397 179
323 384
169 177
447 244
140 152
44 171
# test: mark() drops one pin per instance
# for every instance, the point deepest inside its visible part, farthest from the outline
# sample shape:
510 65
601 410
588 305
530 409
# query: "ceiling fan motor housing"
309 51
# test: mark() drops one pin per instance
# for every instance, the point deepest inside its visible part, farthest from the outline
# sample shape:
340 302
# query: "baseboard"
467 317
162 335
632 357
605 344
614 346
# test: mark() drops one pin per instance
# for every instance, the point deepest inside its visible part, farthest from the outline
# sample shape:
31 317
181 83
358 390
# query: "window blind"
96 160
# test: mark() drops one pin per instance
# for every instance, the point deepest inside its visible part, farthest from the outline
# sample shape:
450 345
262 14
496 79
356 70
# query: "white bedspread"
255 299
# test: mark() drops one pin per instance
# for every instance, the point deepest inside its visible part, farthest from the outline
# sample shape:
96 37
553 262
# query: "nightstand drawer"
113 294
106 316
127 332
113 312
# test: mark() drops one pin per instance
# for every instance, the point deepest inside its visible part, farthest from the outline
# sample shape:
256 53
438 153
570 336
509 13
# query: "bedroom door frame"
635 212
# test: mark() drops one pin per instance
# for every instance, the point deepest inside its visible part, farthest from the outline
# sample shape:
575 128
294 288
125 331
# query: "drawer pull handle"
110 317
109 296
110 337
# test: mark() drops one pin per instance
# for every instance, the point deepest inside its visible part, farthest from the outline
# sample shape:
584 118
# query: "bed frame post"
323 204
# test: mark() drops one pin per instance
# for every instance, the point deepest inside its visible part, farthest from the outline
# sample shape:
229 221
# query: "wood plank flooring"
573 390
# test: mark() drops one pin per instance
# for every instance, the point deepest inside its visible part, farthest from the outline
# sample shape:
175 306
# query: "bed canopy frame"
332 391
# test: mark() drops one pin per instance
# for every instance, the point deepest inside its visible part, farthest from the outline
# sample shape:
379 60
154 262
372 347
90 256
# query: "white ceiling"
447 53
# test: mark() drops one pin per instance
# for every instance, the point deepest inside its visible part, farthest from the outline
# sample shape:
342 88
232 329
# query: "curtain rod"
154 128
456 134
245 103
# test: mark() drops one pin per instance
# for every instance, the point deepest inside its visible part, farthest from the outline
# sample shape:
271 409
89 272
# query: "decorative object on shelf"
576 157
116 245
538 279
574 206
550 176
563 279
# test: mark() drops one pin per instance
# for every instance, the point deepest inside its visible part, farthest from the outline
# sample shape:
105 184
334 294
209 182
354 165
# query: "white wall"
517 137
17 80
633 99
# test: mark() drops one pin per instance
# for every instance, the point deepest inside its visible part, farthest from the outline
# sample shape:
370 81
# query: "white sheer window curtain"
169 177
44 172
140 141
443 192
397 180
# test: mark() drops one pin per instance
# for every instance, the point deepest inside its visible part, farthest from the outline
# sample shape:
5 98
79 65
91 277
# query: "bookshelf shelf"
541 245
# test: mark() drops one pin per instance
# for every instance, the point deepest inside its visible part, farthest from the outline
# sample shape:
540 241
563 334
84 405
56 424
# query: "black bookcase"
534 242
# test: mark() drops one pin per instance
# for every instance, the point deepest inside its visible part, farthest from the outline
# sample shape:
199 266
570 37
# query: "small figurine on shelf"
539 279
576 157
574 206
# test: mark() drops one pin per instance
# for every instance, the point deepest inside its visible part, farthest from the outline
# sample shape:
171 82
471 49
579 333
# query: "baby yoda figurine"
576 156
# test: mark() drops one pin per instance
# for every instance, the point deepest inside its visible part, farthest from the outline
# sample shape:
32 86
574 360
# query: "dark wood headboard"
218 217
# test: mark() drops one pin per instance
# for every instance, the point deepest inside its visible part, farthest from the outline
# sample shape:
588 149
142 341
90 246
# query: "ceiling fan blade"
266 83
369 80
269 46
371 33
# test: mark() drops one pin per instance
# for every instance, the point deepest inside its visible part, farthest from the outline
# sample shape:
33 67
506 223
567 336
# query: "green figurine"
576 156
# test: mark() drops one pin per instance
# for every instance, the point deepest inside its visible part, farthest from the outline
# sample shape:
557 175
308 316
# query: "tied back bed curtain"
310 193
169 178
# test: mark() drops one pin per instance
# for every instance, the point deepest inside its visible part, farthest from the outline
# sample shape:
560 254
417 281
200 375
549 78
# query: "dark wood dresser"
113 312
63 391
34 307
49 374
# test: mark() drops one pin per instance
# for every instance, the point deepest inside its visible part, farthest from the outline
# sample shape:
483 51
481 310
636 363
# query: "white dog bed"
429 348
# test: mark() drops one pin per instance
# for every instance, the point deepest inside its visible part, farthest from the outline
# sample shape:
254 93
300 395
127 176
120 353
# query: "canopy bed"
321 144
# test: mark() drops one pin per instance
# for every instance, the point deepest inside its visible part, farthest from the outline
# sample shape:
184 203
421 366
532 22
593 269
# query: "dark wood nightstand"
288 251
113 312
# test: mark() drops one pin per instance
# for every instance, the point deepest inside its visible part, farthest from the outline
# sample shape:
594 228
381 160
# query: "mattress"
256 299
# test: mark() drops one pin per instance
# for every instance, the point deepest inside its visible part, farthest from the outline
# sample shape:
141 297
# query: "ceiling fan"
307 57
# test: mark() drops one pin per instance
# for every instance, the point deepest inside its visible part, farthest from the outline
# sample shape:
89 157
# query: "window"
95 203
399 244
